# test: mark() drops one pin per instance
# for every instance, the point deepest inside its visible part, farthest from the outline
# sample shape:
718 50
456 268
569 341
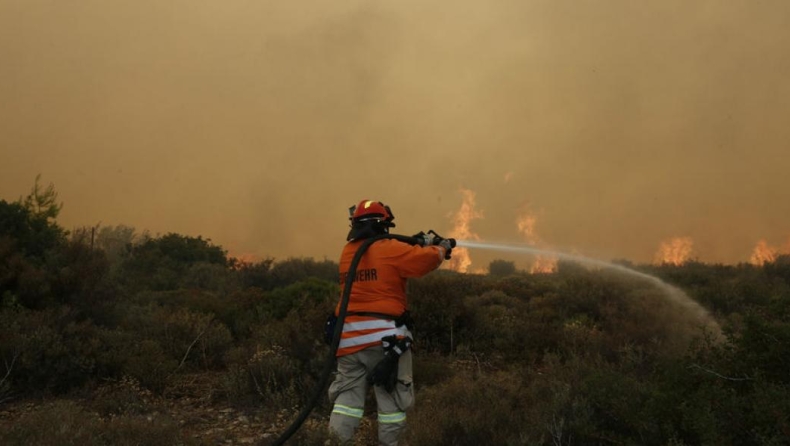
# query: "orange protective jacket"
380 287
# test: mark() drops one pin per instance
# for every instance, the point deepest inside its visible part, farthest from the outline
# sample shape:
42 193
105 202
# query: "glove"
385 373
424 239
448 244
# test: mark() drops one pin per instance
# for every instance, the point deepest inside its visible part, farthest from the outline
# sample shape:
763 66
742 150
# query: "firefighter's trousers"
348 392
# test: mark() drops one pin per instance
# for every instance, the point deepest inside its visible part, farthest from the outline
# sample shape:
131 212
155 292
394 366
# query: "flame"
763 253
544 265
675 251
462 219
526 227
508 177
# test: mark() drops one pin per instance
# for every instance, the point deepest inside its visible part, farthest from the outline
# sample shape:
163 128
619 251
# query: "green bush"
581 356
295 270
463 411
54 351
281 362
496 324
279 302
193 339
268 377
237 310
437 305
164 263
501 268
146 361
211 277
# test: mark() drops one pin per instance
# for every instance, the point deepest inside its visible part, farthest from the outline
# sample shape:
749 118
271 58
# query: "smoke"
257 124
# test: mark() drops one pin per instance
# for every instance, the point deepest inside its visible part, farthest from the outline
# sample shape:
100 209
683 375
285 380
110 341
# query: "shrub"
268 274
237 311
182 334
146 361
437 305
495 325
278 303
162 263
431 369
254 274
283 358
301 269
501 268
54 352
210 276
462 411
268 377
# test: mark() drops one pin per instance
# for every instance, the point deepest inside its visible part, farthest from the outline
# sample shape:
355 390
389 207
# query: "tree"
29 233
42 202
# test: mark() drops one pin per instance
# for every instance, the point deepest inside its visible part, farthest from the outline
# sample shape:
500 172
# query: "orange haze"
257 124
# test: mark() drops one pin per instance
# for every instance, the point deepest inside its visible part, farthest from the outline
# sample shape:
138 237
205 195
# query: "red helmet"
371 210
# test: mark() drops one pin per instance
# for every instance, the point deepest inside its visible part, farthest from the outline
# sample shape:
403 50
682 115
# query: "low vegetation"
104 332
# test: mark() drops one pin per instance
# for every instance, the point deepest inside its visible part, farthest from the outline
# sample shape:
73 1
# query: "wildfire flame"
675 251
764 253
526 227
461 261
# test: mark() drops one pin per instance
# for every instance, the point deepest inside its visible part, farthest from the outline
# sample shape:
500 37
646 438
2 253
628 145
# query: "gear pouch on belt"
329 328
405 319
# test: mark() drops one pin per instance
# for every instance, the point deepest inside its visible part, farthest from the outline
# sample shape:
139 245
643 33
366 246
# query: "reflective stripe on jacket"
360 332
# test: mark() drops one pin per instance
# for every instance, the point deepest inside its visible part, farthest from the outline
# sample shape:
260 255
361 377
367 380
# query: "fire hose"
421 239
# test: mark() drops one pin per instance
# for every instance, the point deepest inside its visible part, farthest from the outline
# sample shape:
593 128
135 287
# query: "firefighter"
374 346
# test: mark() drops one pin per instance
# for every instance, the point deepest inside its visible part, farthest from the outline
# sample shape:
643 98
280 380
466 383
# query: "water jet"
675 294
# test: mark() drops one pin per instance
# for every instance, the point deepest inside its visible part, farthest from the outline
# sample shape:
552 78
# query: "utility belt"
393 325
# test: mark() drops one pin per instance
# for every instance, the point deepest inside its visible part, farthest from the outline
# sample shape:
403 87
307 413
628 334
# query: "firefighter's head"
369 218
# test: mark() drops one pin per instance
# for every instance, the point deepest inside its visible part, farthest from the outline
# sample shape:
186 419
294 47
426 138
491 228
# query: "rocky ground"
191 404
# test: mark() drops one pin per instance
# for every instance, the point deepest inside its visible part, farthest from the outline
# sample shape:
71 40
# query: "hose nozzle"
431 238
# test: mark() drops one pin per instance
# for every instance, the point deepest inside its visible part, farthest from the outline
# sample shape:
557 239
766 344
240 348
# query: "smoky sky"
618 124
